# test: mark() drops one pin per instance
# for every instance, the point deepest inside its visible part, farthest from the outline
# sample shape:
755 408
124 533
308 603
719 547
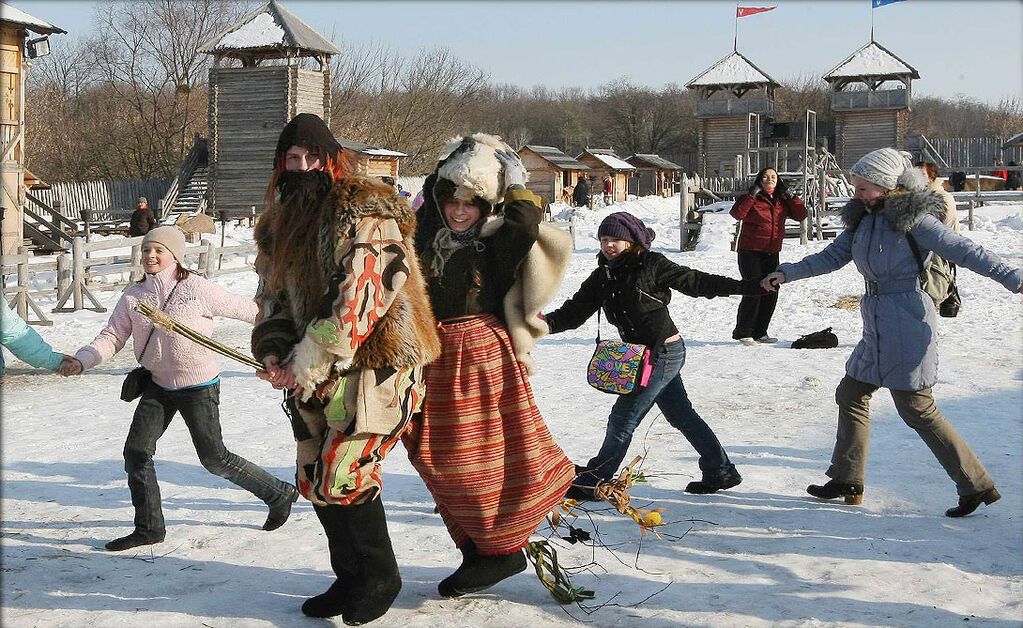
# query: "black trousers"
755 313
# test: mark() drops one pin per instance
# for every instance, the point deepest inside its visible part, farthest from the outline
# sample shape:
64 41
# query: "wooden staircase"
187 192
47 229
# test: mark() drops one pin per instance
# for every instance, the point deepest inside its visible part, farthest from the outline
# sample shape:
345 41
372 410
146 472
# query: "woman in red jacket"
762 212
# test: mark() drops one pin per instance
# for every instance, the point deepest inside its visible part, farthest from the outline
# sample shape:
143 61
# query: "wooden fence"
967 152
76 276
102 197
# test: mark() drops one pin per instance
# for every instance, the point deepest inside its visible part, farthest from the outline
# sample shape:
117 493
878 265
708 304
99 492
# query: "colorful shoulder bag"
617 367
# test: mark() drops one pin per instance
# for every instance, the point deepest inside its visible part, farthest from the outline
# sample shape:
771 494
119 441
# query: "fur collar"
902 209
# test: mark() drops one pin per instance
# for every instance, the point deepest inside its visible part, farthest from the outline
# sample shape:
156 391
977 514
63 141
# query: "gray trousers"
917 409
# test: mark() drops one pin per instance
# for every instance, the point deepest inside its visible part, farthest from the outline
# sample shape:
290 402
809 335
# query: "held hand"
772 281
514 171
69 366
278 376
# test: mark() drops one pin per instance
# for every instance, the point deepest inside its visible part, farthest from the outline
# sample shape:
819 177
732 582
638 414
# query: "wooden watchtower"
734 95
249 105
870 101
15 25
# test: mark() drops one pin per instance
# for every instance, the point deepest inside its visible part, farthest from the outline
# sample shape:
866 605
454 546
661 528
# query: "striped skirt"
480 444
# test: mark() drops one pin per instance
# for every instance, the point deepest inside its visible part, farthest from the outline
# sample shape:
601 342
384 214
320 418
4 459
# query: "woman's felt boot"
377 582
478 572
332 602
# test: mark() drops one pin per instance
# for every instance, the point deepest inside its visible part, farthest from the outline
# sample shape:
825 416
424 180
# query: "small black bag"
822 339
135 383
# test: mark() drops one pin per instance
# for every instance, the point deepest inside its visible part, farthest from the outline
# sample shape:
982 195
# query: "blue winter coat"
898 349
24 342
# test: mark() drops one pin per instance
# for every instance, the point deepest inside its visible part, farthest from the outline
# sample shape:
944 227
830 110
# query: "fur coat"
374 316
898 348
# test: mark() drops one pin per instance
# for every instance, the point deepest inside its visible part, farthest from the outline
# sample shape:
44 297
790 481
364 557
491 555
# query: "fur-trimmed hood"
902 209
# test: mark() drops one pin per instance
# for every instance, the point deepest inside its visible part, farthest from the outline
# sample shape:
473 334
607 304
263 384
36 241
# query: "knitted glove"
514 171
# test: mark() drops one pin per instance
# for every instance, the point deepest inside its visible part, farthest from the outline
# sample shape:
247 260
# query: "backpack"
823 339
938 280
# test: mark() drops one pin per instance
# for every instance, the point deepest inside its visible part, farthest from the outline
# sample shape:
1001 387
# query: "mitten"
514 171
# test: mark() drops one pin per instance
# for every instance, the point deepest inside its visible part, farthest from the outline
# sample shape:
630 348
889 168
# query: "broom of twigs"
616 493
162 320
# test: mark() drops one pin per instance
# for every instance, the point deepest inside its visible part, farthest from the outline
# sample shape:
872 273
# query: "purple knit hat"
625 226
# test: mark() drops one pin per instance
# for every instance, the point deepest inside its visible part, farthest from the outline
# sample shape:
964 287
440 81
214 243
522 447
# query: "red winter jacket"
763 220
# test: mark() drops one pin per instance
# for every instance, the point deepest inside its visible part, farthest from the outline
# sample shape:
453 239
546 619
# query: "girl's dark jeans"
666 390
200 408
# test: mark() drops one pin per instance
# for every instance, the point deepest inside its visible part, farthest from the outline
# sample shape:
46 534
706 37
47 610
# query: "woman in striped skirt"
480 444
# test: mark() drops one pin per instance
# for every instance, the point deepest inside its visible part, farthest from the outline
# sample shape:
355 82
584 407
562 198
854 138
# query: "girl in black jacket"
633 286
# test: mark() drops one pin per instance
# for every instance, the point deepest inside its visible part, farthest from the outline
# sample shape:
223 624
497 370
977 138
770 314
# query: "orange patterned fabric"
480 444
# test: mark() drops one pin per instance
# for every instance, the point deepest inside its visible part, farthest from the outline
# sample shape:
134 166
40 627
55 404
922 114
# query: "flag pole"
735 38
871 22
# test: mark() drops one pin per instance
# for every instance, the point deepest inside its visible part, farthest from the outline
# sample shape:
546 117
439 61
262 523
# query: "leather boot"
853 493
969 503
708 485
279 512
479 573
138 537
330 603
377 581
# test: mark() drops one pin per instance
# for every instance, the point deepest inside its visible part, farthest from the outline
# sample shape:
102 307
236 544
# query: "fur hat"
889 168
309 131
625 226
471 164
172 239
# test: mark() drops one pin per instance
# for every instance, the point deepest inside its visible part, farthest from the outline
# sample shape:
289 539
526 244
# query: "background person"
763 211
898 350
142 219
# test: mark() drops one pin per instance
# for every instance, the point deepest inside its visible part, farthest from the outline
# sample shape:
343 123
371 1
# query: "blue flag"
880 3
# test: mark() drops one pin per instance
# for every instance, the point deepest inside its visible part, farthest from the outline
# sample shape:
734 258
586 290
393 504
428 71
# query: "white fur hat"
470 163
889 168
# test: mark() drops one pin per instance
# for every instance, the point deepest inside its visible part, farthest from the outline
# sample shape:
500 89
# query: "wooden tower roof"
269 31
732 70
871 61
11 15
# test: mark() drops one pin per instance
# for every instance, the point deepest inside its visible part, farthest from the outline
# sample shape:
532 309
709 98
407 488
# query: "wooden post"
969 222
683 212
63 274
22 297
823 203
78 271
136 263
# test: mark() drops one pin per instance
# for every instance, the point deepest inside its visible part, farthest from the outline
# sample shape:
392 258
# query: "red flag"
744 11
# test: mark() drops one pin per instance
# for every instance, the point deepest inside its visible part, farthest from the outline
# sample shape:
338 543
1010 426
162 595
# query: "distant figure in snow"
1012 181
581 192
185 379
891 208
142 219
608 190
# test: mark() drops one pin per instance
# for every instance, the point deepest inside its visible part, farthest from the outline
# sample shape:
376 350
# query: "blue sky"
969 47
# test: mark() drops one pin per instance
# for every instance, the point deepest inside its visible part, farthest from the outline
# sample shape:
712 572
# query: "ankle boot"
280 512
710 485
377 581
853 493
479 573
969 503
137 538
332 602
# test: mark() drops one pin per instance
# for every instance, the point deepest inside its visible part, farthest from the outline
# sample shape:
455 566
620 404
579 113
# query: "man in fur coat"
345 326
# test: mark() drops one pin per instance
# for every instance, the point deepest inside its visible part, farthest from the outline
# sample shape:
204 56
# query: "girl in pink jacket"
185 379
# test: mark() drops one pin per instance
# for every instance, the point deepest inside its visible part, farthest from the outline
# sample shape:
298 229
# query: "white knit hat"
172 239
889 168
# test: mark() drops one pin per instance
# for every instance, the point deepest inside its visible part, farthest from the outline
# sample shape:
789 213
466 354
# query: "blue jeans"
200 408
666 390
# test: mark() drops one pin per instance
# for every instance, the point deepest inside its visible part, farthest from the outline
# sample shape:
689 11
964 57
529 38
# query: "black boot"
853 493
332 602
280 512
969 503
377 581
137 538
478 573
710 485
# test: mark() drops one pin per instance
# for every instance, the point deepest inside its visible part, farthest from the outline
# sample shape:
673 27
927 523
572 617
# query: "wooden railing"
24 294
196 155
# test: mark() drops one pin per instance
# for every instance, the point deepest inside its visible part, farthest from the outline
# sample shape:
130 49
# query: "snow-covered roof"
1015 140
556 157
366 149
608 158
733 69
655 161
872 59
17 16
270 27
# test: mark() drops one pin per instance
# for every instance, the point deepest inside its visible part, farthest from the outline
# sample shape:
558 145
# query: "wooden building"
550 171
15 26
870 101
734 95
373 161
250 104
655 175
603 162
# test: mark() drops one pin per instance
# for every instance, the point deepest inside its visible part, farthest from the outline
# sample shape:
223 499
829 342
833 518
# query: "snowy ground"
758 555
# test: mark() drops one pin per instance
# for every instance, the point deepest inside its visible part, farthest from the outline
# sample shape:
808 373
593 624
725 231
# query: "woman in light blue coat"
898 348
24 342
